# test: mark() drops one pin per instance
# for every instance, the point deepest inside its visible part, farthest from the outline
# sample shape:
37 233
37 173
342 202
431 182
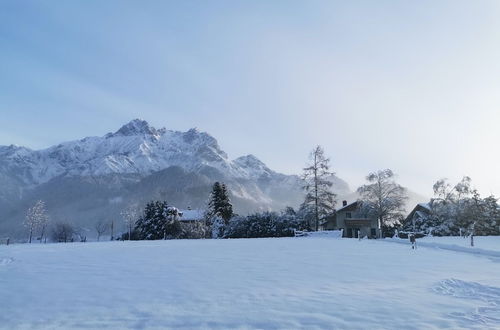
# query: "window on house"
374 232
348 215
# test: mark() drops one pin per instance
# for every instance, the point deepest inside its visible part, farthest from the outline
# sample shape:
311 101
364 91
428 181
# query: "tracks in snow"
6 261
494 255
488 314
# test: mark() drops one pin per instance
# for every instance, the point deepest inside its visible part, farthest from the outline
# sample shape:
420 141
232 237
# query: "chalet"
354 220
419 214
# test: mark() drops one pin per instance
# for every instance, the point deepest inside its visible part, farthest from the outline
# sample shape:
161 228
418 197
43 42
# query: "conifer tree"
319 197
159 221
219 204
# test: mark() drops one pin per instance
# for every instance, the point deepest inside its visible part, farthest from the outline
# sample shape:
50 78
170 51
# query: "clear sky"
409 85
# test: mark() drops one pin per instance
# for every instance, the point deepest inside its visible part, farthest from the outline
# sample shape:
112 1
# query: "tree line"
457 210
453 210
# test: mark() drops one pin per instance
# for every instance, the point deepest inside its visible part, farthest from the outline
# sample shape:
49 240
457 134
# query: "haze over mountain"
94 178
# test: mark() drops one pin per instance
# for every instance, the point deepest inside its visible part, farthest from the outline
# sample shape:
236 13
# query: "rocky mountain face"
93 179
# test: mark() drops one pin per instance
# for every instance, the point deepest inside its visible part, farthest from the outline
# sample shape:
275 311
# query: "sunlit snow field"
480 242
284 283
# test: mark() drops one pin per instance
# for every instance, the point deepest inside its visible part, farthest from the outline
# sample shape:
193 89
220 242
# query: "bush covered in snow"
266 224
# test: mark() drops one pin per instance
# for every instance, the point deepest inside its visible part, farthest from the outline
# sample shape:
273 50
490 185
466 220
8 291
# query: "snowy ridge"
95 177
135 148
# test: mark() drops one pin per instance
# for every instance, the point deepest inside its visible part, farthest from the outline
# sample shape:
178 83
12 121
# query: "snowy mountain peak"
253 167
13 150
136 127
250 161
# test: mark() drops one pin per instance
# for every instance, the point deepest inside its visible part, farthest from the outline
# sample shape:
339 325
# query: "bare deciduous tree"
101 228
384 198
130 216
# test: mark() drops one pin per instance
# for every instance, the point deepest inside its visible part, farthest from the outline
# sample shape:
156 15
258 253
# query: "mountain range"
93 179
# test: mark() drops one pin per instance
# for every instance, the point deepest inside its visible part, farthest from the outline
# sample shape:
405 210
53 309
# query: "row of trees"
458 210
37 223
382 196
159 220
453 209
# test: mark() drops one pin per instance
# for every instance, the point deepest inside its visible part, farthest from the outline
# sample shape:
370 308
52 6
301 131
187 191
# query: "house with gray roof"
418 215
190 215
354 220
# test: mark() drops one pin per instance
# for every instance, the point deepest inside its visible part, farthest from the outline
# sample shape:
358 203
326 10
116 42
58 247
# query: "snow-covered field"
287 283
480 242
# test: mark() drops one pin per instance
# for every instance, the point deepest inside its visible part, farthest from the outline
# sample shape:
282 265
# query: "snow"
326 233
136 148
192 215
482 242
449 243
311 282
425 205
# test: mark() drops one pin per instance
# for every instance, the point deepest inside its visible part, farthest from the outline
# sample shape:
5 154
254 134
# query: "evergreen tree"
319 197
219 204
159 221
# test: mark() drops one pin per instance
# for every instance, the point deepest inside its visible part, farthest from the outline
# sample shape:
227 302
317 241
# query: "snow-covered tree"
459 209
217 227
219 204
130 216
159 221
384 198
266 224
449 208
193 230
490 223
317 184
36 218
482 215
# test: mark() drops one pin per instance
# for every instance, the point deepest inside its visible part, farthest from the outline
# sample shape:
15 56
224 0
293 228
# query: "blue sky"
410 85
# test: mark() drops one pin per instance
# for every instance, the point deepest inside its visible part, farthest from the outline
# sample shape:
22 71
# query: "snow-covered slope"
96 176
